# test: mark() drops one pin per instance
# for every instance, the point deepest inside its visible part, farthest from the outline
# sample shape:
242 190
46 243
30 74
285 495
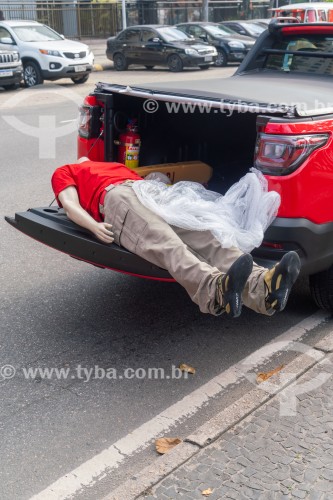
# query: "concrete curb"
214 428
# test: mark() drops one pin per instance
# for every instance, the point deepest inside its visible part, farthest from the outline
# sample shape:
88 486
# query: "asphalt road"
61 313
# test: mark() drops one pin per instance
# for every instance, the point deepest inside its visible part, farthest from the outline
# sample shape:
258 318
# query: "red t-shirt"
90 179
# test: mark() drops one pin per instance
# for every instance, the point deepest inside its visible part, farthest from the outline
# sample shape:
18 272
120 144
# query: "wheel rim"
30 76
119 62
174 62
220 60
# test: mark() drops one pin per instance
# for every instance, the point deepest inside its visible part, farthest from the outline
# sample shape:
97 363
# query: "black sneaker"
230 285
280 279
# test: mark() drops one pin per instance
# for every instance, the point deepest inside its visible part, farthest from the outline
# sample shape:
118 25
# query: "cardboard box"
196 171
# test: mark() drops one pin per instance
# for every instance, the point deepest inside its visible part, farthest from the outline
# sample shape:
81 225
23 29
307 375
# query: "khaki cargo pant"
194 259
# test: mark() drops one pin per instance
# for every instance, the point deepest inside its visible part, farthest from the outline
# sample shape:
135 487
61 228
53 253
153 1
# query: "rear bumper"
312 242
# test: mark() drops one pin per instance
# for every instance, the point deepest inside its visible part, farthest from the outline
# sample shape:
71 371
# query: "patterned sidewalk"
267 456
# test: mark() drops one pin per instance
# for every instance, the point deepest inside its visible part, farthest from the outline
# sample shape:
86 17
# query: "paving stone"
232 494
249 471
298 493
281 474
243 461
255 485
202 468
255 494
168 482
311 475
219 456
316 464
269 468
324 486
208 461
284 491
315 495
296 476
326 460
305 486
266 496
249 456
234 452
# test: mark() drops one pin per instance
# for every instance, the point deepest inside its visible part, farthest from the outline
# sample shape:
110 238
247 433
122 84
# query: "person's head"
2 17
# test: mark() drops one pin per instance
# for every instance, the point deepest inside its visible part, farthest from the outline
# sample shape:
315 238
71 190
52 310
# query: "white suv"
45 54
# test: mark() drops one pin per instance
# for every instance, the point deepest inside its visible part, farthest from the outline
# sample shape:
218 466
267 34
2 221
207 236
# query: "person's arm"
71 204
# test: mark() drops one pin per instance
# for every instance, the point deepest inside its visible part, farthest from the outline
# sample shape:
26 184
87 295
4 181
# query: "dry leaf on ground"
262 377
187 368
207 492
163 445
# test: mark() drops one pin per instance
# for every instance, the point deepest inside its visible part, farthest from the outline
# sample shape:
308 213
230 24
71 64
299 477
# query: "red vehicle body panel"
315 175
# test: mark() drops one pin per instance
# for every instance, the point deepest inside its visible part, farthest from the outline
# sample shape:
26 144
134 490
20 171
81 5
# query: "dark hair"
2 17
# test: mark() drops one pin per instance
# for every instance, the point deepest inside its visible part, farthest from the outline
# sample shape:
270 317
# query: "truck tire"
222 59
32 74
119 62
80 79
321 287
175 63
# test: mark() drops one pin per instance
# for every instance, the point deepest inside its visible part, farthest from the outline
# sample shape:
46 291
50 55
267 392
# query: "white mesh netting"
237 219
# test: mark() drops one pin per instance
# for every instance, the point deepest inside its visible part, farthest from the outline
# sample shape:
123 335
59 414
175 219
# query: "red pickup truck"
275 113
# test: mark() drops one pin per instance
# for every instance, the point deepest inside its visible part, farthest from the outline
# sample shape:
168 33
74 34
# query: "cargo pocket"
133 228
118 220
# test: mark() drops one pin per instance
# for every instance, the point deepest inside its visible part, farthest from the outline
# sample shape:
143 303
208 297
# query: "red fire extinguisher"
129 145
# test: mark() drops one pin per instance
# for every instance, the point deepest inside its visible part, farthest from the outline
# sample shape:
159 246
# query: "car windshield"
172 34
254 29
36 33
302 60
218 30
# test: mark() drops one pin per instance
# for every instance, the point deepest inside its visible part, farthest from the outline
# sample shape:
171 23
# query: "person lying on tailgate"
201 247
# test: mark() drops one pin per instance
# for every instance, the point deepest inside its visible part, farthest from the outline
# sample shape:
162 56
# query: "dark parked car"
252 29
155 45
230 46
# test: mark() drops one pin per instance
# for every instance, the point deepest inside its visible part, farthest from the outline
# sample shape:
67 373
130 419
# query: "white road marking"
100 465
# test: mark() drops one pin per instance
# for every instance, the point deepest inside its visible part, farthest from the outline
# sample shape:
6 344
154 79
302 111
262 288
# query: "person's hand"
103 232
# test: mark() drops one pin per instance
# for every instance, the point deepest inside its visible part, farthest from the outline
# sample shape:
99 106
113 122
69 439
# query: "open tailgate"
50 226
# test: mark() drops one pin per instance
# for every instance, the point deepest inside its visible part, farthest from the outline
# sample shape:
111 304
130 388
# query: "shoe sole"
233 284
285 275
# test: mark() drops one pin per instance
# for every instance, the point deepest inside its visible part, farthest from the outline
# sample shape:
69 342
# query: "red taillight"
311 29
282 154
89 123
269 244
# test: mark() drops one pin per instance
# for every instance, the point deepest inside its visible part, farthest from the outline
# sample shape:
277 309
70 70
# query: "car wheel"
80 79
12 86
175 63
119 62
222 59
205 66
321 287
149 67
32 74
